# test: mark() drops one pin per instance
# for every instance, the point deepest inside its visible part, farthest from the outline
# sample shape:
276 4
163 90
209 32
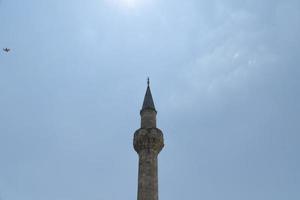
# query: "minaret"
148 142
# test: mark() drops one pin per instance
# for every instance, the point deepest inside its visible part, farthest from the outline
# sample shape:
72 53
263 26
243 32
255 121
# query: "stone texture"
148 119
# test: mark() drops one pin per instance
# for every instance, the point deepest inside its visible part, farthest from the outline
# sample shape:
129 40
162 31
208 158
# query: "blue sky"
225 79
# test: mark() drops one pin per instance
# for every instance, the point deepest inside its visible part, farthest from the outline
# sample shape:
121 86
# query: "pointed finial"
148 81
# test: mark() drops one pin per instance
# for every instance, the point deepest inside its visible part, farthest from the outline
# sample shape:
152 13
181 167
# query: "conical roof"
148 100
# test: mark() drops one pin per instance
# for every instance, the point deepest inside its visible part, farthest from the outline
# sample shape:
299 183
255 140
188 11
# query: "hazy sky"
225 79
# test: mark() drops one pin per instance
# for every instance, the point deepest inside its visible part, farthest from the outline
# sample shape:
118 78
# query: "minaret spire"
148 100
148 142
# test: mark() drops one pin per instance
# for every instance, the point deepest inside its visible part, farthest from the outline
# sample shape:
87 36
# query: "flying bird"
6 49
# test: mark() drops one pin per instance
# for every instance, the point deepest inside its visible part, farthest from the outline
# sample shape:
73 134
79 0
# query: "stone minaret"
148 142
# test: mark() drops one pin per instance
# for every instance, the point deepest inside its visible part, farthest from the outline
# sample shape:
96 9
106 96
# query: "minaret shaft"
148 119
148 179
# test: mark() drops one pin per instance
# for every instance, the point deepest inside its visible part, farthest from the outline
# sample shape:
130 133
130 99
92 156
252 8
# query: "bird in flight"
6 49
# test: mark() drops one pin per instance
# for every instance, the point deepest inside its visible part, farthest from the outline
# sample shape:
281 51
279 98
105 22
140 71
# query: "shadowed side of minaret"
148 142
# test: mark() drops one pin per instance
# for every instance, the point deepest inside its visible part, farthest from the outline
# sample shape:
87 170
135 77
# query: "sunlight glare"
127 4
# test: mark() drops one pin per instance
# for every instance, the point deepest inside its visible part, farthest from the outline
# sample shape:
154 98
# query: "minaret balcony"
150 140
